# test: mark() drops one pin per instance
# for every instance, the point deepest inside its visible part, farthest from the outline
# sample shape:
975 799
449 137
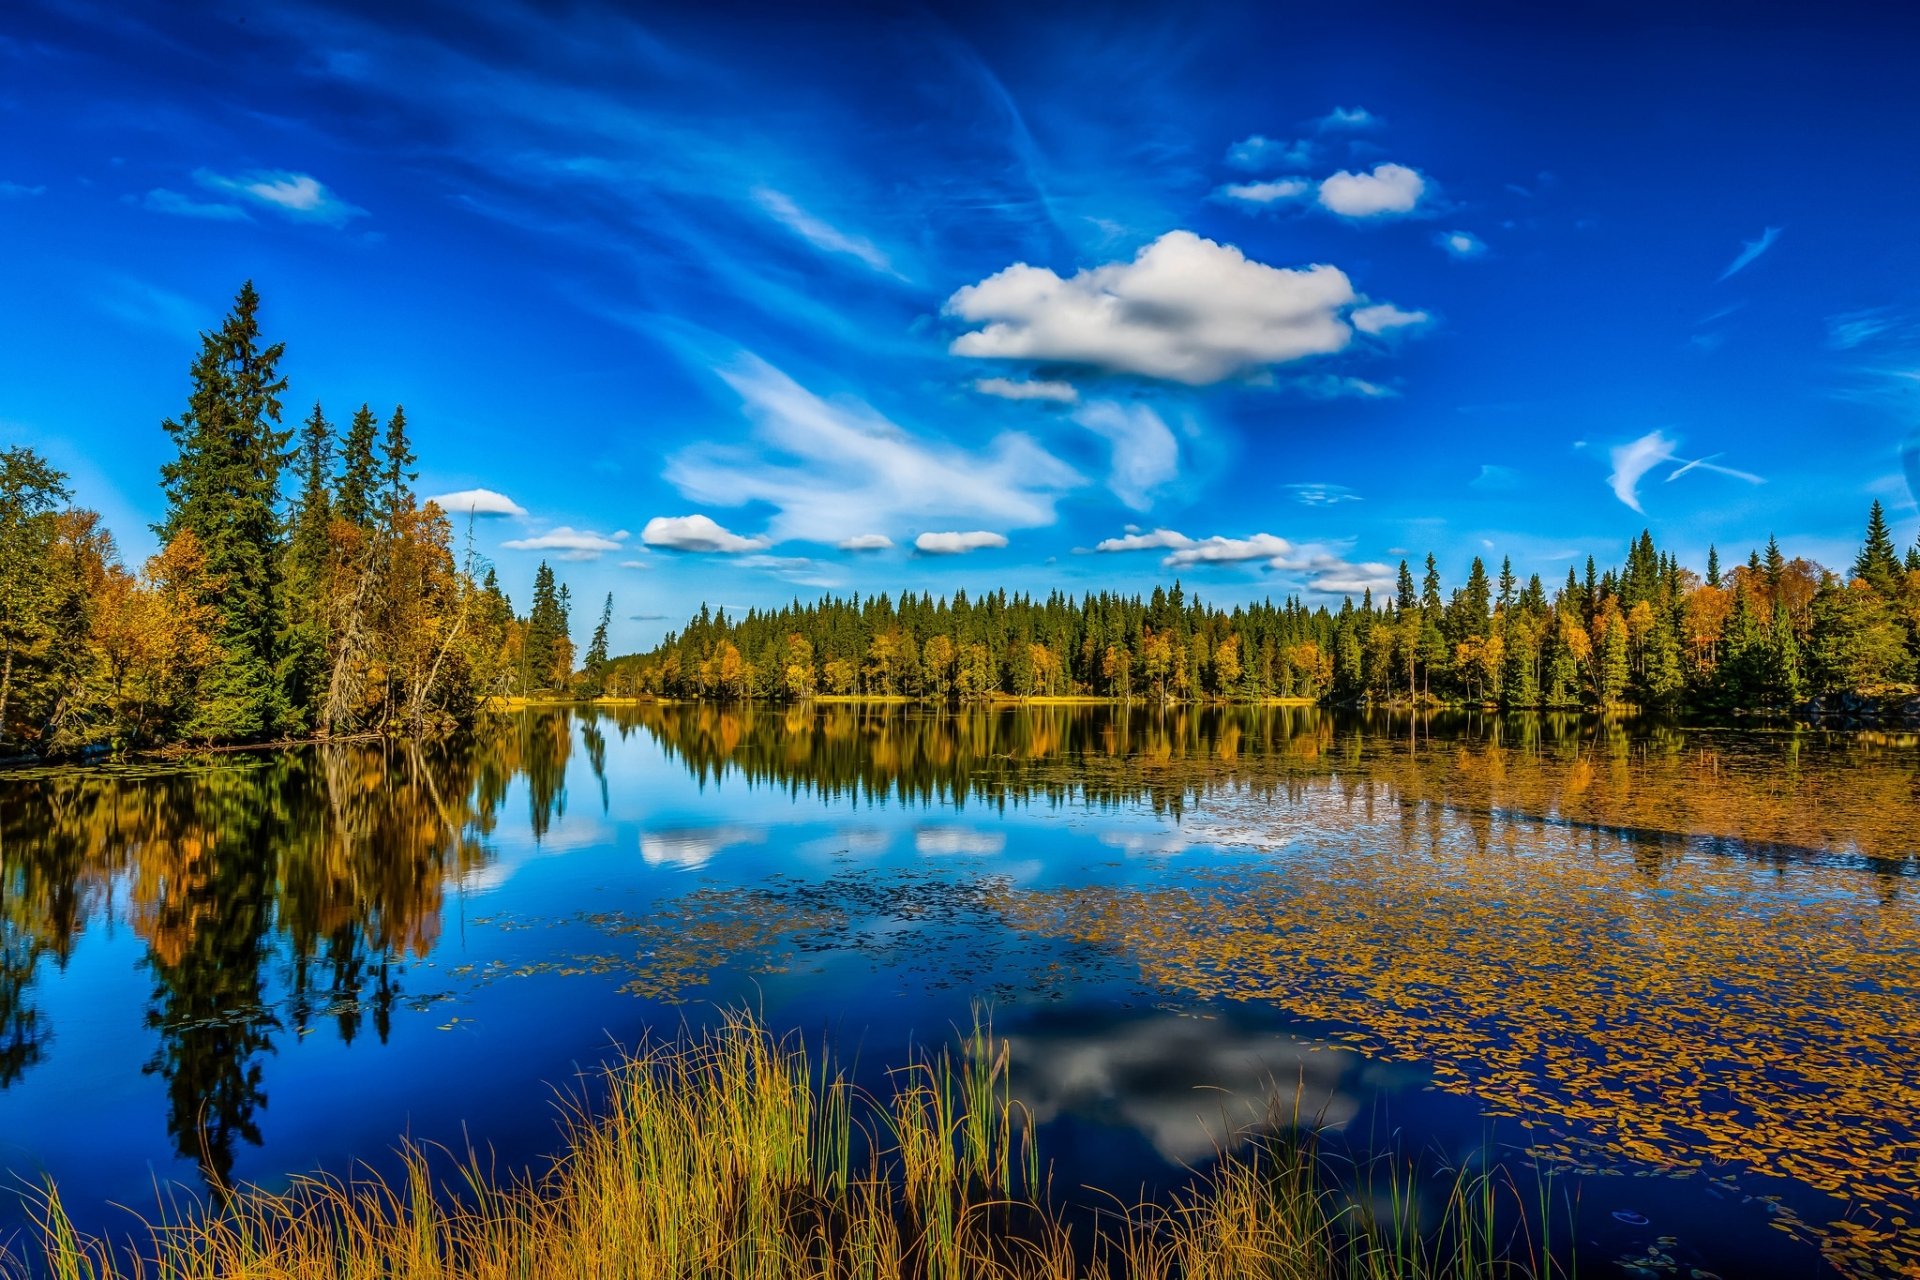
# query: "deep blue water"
271 963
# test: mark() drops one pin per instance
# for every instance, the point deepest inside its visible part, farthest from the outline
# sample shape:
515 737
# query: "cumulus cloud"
691 848
1271 191
1027 389
299 196
1185 309
572 544
834 470
954 544
1258 152
865 542
1145 454
161 200
1347 120
1752 249
1461 244
819 233
1389 190
478 502
1325 570
697 533
1383 317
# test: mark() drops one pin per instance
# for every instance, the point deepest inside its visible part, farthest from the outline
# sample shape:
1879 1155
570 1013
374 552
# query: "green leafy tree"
30 491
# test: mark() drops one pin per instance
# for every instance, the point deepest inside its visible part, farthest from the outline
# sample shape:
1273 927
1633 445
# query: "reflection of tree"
321 870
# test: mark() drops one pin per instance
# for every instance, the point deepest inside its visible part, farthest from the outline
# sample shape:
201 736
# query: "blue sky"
749 303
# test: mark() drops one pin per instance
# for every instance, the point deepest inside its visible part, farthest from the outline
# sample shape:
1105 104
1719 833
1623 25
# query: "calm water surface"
1674 974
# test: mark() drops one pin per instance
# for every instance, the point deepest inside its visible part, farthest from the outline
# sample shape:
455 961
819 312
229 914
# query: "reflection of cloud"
853 842
690 848
1138 842
947 841
1186 1084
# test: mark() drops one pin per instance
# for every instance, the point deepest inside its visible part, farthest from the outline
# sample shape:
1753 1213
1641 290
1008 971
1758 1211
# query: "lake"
1673 974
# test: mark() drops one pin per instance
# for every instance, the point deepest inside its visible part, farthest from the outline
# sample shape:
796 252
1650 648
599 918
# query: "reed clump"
735 1155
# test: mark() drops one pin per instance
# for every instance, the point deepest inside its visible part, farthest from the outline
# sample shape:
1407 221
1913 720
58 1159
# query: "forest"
1769 633
302 588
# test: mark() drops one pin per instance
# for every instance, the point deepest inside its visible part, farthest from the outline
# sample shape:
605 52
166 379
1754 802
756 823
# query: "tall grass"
735 1154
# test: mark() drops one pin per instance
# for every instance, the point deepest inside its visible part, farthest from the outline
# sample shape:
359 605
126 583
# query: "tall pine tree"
224 490
359 472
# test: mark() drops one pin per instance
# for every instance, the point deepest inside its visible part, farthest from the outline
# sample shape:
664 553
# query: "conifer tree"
359 472
1877 563
224 488
396 472
303 641
1713 566
597 650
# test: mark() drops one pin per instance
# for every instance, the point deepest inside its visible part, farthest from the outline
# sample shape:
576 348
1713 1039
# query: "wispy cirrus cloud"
822 234
1750 251
1317 494
300 197
1258 152
1271 191
1145 453
1634 459
834 470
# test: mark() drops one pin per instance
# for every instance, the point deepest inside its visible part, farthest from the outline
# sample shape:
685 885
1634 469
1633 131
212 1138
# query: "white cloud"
1388 191
835 470
478 502
1751 249
161 200
697 533
299 196
1258 152
1633 460
1347 119
954 544
1322 495
1145 454
865 542
573 544
690 848
1271 191
1325 570
1185 309
1461 244
819 233
1383 317
1851 329
1330 386
1027 389
962 841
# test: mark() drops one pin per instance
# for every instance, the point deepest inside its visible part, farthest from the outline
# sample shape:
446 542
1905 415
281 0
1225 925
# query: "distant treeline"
337 607
1651 633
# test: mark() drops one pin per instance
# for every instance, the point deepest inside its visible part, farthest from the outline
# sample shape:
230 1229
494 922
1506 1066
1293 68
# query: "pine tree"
304 635
397 474
1404 598
1774 564
314 509
1507 582
597 650
1611 661
224 488
1713 566
1877 563
359 472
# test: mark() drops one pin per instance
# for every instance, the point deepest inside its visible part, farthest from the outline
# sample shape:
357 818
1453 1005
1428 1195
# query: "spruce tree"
224 489
597 649
1877 562
359 472
1713 566
303 641
396 472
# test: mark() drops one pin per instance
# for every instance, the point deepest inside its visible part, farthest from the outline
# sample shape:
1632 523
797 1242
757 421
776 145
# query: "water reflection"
1582 920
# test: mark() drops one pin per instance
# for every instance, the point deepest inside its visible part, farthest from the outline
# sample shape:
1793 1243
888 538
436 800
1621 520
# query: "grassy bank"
736 1155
